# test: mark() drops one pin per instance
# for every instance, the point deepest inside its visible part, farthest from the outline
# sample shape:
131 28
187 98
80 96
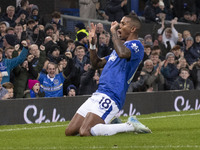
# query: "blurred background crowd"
39 58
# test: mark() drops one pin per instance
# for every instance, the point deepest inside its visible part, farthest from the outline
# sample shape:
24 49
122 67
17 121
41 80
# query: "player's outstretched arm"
95 60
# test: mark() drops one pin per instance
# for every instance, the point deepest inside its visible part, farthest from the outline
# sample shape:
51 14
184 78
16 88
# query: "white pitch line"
45 127
178 115
41 127
168 116
102 147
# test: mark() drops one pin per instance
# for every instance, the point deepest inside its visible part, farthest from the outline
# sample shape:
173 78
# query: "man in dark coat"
183 82
151 11
116 9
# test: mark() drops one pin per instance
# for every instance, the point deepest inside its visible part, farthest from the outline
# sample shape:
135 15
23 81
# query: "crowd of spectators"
184 10
42 60
187 11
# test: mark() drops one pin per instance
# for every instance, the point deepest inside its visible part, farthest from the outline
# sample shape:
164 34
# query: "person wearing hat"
80 27
54 54
82 40
81 36
9 40
23 17
191 53
49 30
34 89
71 90
148 40
35 13
187 18
141 40
6 65
169 70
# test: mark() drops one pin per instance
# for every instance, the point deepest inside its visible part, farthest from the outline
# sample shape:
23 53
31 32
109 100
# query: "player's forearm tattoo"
115 37
120 48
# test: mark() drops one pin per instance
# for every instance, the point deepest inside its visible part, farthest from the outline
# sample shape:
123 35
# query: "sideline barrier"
26 111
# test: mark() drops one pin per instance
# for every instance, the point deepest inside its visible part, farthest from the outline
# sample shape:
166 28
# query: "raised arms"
96 62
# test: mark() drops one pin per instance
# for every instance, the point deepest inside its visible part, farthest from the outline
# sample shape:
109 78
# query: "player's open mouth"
119 32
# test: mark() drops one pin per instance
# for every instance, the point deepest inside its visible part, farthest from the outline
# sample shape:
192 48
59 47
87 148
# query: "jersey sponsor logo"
51 89
45 82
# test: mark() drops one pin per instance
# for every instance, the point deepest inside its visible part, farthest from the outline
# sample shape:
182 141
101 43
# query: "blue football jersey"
118 73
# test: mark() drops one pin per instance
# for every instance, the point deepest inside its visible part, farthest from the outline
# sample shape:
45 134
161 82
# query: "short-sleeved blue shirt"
118 73
52 88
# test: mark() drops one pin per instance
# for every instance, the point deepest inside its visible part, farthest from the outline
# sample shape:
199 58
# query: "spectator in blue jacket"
6 65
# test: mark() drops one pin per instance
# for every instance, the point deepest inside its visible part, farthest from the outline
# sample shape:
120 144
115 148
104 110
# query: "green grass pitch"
171 131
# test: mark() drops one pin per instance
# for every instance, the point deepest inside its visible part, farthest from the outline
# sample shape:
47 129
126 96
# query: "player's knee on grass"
67 132
70 132
84 132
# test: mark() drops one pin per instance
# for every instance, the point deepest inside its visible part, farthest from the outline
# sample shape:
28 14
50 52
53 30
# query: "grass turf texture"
171 131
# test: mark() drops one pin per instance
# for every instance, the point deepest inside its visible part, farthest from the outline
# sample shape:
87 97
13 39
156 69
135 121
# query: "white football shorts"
101 105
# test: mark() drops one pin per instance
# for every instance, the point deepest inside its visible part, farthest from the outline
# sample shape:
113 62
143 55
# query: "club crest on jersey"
112 57
135 47
56 81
